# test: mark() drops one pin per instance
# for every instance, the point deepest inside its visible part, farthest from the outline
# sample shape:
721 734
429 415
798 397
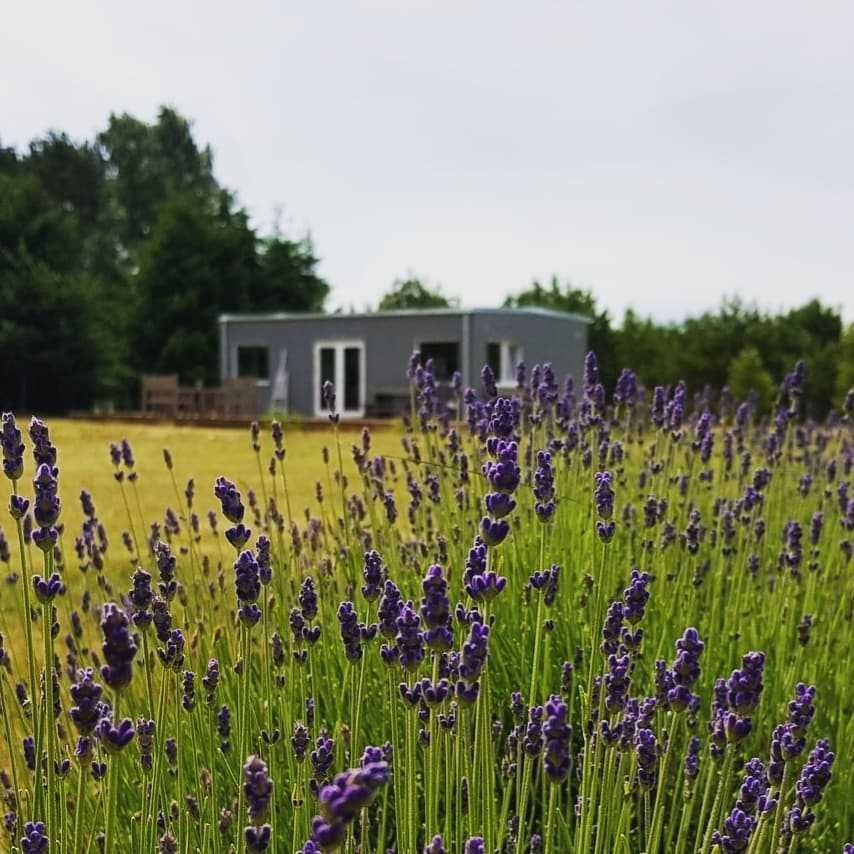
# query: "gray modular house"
366 355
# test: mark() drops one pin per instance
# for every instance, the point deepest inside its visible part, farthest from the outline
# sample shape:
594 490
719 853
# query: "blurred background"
680 173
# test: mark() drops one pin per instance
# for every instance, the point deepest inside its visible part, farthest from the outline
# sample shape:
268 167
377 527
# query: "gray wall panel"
389 340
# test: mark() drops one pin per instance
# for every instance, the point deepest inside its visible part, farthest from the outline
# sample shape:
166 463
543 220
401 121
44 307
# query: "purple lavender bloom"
611 628
467 693
86 696
258 838
408 639
617 682
436 846
300 741
352 632
389 609
486 585
35 839
238 536
145 731
744 685
118 647
487 377
44 452
646 748
18 507
547 581
373 574
29 748
436 610
475 845
43 538
802 707
504 473
557 734
798 820
604 495
210 681
327 395
115 737
499 504
474 652
83 749
141 598
591 372
736 833
635 596
127 453
753 794
258 788
264 559
816 524
816 773
46 501
492 532
173 655
47 589
12 447
278 436
606 530
247 582
626 390
308 599
161 618
351 791
229 497
692 758
223 727
188 697
166 563
544 491
322 756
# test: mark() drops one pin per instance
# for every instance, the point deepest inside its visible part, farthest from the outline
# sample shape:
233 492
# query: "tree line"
116 257
117 254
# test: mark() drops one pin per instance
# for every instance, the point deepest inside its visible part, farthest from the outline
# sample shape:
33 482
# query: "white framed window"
503 357
342 363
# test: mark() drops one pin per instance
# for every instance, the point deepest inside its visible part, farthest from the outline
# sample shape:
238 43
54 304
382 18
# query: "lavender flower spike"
258 788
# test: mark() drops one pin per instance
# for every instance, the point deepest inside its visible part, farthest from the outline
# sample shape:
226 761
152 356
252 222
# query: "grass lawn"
202 453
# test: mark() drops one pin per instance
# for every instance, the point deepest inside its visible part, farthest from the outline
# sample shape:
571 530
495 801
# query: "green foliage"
700 349
59 321
748 378
150 163
288 281
411 292
845 376
600 335
746 581
142 248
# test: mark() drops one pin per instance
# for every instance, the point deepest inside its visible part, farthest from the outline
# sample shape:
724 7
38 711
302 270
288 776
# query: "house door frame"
339 345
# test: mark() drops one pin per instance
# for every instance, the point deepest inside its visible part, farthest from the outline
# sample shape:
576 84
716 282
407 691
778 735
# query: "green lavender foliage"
743 591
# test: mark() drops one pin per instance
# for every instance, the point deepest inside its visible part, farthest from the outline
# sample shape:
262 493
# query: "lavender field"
576 619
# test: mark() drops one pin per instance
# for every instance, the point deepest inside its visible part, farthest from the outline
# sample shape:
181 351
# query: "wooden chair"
160 394
240 396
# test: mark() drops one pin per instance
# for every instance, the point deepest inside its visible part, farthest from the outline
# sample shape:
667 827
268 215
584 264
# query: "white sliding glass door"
343 364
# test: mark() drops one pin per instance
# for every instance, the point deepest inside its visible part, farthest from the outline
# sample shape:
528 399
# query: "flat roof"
410 312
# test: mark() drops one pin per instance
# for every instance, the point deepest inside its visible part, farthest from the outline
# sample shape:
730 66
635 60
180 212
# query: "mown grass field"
584 630
201 453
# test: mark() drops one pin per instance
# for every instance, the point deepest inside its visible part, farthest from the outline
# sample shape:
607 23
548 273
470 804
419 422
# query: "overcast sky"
664 153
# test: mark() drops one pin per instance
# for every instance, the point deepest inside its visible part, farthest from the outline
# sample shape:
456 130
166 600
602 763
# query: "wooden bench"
161 395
